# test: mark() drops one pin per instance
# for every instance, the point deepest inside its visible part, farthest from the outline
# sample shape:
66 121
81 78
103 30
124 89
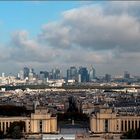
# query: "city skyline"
69 73
44 35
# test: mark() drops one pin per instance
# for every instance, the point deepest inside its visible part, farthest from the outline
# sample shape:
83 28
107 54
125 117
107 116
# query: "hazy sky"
49 34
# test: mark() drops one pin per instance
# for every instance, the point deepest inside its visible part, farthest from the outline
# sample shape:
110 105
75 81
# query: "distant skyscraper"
3 75
72 73
68 74
79 78
107 77
126 75
44 75
84 74
26 72
31 74
50 75
91 73
21 74
56 74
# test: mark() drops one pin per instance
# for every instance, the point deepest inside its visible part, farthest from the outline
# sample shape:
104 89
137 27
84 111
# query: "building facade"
72 73
56 74
83 74
91 74
39 122
107 121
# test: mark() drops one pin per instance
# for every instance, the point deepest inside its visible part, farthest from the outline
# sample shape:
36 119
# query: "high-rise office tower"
72 73
26 72
84 74
107 77
56 74
31 74
126 75
3 75
92 73
68 74
44 75
21 74
79 78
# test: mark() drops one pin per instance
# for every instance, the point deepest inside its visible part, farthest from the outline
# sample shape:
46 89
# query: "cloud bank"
106 36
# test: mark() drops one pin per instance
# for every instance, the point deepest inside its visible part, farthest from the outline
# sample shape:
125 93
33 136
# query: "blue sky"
44 35
30 15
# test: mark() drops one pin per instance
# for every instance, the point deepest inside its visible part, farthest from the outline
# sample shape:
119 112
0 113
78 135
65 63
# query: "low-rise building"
41 121
107 121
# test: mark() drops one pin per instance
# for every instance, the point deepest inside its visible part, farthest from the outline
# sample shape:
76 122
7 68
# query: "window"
125 125
136 124
40 125
129 125
6 126
117 125
122 126
3 126
29 127
133 125
106 125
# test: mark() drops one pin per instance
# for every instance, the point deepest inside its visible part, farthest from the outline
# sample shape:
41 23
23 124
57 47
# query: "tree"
1 134
15 130
132 134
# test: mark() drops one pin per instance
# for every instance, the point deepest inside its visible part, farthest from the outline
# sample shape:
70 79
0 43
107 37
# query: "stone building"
41 121
107 121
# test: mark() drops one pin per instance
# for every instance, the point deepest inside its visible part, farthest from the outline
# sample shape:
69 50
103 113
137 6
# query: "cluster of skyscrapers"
27 73
81 74
72 75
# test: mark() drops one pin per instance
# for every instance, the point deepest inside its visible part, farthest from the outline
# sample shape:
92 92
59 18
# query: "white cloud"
91 27
93 34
